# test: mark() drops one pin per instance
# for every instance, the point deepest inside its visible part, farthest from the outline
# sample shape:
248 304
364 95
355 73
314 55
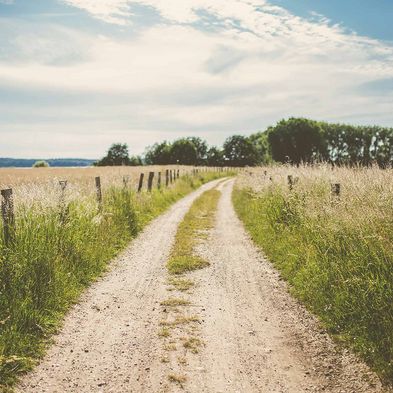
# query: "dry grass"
180 284
31 185
336 252
177 378
173 302
192 343
180 320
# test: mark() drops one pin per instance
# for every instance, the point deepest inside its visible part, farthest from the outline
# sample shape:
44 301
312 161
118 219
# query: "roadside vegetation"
179 327
335 251
60 246
192 230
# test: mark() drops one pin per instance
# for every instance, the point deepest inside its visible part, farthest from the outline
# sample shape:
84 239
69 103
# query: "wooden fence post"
7 212
150 181
140 185
159 180
178 173
167 177
63 208
290 182
336 190
170 176
99 192
125 181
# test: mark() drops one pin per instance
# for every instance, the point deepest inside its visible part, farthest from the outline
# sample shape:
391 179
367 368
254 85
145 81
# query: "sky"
79 75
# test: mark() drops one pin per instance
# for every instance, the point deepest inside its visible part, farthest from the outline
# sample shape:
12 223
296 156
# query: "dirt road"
256 337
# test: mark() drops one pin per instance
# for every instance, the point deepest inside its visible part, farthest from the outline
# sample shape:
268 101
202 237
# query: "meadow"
336 251
63 241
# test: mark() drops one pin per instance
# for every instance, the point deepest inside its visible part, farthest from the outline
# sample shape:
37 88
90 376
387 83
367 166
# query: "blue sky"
77 75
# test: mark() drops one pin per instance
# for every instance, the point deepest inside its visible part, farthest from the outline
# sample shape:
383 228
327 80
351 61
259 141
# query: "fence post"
170 176
140 185
178 173
159 180
290 182
7 211
63 208
150 181
167 177
125 181
336 190
99 192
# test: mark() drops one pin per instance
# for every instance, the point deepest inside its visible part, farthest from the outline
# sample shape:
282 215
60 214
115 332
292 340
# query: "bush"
40 164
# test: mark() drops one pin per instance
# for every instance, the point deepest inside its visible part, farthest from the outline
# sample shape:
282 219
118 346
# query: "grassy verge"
338 259
53 259
194 228
179 327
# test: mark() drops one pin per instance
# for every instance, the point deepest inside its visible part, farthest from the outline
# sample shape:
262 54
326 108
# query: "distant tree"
117 155
40 164
158 154
136 161
184 152
261 143
215 157
297 140
201 149
240 151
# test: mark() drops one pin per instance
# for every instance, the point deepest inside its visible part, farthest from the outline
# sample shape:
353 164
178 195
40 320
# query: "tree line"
295 140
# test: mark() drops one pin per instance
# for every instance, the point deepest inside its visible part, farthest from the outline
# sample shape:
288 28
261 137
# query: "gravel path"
109 341
256 337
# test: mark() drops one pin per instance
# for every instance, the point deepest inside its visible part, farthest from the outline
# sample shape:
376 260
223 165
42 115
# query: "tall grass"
58 250
337 253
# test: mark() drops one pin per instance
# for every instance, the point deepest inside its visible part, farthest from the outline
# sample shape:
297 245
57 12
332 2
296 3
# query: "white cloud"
256 64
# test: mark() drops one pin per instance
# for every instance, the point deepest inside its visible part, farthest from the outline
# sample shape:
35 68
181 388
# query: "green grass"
339 264
50 263
198 220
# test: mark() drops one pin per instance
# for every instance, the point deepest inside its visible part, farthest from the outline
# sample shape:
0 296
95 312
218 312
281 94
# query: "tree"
40 164
297 140
215 157
261 143
240 151
201 149
117 155
136 161
158 154
184 152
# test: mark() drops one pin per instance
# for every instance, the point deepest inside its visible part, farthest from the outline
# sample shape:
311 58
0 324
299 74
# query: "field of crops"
334 246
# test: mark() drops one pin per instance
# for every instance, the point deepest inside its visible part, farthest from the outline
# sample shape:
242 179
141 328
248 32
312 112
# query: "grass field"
336 252
59 248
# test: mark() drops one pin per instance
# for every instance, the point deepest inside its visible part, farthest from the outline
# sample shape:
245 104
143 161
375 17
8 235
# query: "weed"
164 332
192 229
173 302
180 320
176 378
181 284
192 343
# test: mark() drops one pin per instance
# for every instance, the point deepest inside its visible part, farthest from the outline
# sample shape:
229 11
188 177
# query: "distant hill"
56 162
